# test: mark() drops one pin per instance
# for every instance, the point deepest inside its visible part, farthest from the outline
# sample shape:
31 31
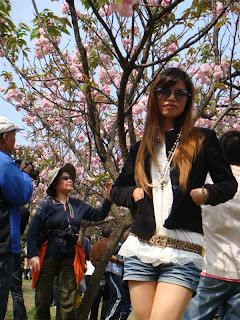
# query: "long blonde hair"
191 139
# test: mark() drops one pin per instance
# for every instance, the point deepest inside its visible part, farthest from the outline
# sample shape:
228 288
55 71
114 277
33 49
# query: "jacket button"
174 186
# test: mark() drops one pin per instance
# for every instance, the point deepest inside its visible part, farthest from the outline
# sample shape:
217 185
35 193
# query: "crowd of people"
181 257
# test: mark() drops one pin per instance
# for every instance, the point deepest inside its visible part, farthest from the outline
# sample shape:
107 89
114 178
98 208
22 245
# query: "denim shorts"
186 275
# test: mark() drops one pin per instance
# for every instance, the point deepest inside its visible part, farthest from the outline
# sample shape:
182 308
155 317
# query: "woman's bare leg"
170 301
142 295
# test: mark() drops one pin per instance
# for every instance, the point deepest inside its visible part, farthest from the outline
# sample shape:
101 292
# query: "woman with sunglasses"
163 183
53 230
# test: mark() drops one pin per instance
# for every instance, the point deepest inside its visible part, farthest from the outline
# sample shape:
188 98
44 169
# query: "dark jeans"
66 296
104 295
126 304
115 283
6 267
19 310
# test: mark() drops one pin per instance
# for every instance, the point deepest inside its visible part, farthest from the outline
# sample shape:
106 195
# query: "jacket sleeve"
16 185
35 228
96 214
224 184
122 190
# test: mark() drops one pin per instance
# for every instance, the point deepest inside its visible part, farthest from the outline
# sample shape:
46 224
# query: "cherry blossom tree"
85 89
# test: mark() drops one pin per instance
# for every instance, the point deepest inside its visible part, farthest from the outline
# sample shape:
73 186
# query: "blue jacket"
51 223
15 191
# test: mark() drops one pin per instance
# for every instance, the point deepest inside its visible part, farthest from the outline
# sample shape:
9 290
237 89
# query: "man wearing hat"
15 191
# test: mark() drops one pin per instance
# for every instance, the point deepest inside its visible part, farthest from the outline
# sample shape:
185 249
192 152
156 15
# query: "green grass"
28 295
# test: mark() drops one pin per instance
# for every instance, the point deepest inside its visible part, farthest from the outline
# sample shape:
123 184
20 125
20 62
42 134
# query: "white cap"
7 125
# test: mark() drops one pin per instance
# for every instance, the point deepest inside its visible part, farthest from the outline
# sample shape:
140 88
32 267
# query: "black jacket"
184 214
50 223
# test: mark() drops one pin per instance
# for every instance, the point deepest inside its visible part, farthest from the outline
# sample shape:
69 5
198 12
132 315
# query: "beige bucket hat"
68 167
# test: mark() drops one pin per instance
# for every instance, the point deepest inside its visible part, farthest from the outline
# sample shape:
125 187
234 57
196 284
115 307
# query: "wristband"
204 195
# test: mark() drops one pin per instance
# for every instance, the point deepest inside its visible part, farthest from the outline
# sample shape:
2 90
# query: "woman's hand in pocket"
138 194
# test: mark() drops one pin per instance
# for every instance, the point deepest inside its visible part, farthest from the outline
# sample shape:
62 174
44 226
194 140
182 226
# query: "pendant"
162 182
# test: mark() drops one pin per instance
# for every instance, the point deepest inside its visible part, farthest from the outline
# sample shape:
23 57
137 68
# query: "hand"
108 187
25 168
35 263
138 194
197 196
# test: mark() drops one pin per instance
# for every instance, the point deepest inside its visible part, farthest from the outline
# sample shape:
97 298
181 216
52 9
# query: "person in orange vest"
55 226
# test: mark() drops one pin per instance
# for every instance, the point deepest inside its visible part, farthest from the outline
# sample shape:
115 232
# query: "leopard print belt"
164 241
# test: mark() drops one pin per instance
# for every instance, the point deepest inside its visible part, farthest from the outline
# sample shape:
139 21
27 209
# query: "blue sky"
23 11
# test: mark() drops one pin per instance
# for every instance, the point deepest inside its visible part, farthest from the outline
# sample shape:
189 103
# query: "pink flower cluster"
207 72
171 48
43 45
108 76
219 9
106 11
125 8
65 8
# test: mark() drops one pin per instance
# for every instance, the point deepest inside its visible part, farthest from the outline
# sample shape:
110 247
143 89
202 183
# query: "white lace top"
162 201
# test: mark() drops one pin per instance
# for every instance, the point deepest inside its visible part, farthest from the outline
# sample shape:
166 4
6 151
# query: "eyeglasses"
179 94
66 178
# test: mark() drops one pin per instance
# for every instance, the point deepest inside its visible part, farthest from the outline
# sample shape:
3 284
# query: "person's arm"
16 185
123 191
117 260
25 214
224 183
96 214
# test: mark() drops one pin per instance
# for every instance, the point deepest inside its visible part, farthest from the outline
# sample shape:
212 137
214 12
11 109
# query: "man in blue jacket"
15 191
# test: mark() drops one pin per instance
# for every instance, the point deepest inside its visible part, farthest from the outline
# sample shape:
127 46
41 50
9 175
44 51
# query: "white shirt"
162 202
221 226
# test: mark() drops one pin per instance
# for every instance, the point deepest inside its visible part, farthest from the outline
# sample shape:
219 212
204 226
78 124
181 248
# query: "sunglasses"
179 94
66 178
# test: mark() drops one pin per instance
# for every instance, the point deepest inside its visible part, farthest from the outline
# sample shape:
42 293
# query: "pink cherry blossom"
64 8
192 71
125 42
219 8
107 9
42 32
74 69
104 57
204 80
206 70
104 76
225 100
171 48
39 54
217 73
82 96
224 65
102 13
124 8
165 2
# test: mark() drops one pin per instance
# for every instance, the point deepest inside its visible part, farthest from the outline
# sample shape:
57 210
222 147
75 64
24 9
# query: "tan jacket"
97 250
